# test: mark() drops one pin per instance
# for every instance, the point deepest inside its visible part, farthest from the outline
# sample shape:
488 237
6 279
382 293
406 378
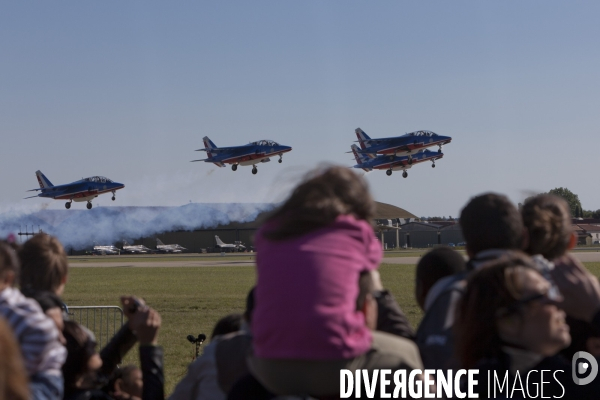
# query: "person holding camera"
86 372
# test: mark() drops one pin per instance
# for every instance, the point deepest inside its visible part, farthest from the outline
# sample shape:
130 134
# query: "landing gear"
388 172
234 167
404 174
433 165
114 197
280 159
254 170
89 205
410 160
68 204
440 149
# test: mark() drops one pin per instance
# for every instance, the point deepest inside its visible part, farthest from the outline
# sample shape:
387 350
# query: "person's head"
433 266
82 359
9 265
507 302
491 221
44 265
325 194
228 324
548 222
365 301
128 381
13 377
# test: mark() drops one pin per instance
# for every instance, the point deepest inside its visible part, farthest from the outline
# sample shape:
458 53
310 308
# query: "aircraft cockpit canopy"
97 179
265 143
421 133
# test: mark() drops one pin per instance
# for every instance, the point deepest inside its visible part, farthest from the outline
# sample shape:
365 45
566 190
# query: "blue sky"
128 89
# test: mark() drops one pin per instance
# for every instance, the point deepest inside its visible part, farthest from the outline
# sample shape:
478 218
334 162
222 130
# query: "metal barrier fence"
104 321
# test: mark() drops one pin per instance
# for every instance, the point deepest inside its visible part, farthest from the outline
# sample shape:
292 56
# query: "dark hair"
228 324
319 200
548 221
8 259
491 221
43 263
80 348
490 288
437 264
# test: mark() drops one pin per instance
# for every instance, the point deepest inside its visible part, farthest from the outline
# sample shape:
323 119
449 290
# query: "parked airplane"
393 163
106 250
168 248
140 248
249 154
407 144
83 190
235 246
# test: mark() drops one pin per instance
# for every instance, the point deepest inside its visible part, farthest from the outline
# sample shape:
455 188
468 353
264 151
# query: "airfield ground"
191 300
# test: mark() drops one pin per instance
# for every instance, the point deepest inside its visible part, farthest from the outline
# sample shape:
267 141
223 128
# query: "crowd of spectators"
519 302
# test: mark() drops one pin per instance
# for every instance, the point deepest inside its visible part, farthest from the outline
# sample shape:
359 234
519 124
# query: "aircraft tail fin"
208 146
43 181
219 241
125 243
159 242
363 139
360 157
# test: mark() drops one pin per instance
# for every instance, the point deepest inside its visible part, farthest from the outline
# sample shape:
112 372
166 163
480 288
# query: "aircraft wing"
218 150
30 197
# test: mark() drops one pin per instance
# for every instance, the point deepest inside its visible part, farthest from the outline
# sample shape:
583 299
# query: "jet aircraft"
106 250
249 154
407 144
393 163
235 246
136 249
85 189
168 248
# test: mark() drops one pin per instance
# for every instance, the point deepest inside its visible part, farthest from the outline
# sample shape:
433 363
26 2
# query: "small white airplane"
168 248
140 248
106 250
235 246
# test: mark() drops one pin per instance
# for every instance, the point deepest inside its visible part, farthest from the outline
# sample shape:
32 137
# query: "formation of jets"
84 189
389 154
250 154
397 153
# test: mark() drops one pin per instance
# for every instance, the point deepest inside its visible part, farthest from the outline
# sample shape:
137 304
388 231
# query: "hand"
580 289
131 304
145 325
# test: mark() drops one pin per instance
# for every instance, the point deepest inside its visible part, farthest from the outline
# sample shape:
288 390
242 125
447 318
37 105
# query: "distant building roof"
388 211
589 228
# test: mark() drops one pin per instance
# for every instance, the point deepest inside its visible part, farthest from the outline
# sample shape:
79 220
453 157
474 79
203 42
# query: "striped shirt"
36 333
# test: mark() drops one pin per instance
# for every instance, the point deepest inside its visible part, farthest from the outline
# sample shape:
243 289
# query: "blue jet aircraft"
249 154
393 163
83 190
407 144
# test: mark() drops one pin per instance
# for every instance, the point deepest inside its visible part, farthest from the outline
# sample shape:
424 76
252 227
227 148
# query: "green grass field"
191 300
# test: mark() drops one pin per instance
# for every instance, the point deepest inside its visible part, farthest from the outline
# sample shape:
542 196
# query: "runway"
237 261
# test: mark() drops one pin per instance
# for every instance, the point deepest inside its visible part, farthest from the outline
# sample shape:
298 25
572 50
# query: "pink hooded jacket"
307 289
